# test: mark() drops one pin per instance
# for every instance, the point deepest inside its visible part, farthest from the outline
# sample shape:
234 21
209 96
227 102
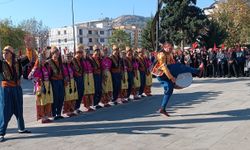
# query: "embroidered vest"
8 74
77 67
56 71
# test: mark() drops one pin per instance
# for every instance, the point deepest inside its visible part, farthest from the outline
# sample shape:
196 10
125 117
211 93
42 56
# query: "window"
96 32
81 40
59 40
65 32
58 32
90 32
96 40
102 32
102 40
65 40
90 39
80 31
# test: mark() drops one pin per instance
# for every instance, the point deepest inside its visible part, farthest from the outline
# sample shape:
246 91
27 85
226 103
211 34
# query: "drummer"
167 70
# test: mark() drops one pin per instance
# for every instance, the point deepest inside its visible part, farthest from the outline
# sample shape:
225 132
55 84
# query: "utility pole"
159 4
0 49
73 25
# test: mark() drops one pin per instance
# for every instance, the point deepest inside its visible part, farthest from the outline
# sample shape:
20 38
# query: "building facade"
91 33
135 34
88 33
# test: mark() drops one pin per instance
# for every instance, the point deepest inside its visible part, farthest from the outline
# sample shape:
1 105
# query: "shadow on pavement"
210 80
219 80
93 123
148 127
144 127
242 113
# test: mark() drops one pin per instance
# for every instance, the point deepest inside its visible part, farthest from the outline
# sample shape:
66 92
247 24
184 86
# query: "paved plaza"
211 114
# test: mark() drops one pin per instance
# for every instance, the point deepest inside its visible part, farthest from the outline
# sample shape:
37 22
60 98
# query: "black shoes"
98 107
24 131
58 117
1 138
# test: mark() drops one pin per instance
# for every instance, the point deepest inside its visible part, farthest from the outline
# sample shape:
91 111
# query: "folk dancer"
137 79
78 76
57 82
70 87
96 63
11 95
130 70
167 71
43 89
122 97
107 87
148 64
116 73
89 86
142 69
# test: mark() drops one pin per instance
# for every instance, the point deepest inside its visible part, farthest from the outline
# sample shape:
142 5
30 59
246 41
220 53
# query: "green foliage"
119 38
233 15
181 21
147 36
11 35
215 34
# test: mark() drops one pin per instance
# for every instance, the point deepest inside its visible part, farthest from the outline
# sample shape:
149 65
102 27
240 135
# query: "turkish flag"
195 45
215 48
223 46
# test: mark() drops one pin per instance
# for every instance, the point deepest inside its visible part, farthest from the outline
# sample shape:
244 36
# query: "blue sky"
57 13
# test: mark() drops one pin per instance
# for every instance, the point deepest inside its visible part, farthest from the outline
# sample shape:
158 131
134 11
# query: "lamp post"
73 25
159 5
0 49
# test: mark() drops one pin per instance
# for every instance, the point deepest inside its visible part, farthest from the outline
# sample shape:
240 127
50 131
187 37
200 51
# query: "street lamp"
73 25
0 49
159 5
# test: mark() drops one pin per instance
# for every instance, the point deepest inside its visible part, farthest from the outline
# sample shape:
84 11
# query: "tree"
147 36
119 38
233 15
181 22
215 35
36 30
11 35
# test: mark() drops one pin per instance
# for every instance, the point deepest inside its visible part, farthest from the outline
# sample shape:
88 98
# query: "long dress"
43 91
147 89
71 94
89 85
107 85
137 79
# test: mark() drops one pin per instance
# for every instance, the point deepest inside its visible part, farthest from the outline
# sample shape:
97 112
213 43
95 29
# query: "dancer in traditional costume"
107 86
78 76
89 85
137 79
11 94
31 53
142 69
96 62
70 87
167 71
57 82
122 98
43 89
116 73
148 64
130 70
